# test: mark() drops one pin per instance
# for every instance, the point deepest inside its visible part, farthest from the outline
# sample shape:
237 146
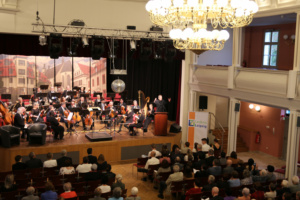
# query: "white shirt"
157 153
50 163
105 188
152 161
205 147
84 168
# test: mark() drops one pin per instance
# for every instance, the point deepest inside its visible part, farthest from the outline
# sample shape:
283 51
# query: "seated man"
19 165
30 194
215 194
19 121
176 176
127 118
57 129
152 161
185 148
138 124
92 159
50 162
153 148
149 117
33 162
205 146
195 190
63 118
211 183
64 157
85 167
295 187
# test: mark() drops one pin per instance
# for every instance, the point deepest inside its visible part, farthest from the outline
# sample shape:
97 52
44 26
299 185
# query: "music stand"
5 96
136 110
71 93
25 96
57 105
41 95
85 95
97 93
76 88
59 84
56 94
44 87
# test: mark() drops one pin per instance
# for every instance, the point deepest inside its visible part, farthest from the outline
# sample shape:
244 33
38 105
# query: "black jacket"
34 163
61 161
19 166
19 121
92 159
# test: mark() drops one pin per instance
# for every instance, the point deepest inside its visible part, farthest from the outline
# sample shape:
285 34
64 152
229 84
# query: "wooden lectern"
161 123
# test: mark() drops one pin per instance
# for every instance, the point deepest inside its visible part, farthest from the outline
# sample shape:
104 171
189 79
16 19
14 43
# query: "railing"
221 130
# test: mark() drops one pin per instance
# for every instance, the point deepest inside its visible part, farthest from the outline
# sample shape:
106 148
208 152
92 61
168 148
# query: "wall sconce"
251 106
257 108
289 40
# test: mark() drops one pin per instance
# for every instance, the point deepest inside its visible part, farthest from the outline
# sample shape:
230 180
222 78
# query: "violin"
123 111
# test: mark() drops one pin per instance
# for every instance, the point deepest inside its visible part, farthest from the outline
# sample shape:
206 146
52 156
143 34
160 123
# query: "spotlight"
257 108
132 45
43 40
85 40
251 106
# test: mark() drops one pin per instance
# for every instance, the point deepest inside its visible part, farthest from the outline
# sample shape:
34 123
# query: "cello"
7 117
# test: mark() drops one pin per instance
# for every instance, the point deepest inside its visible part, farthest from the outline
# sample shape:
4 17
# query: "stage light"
85 40
257 108
43 40
132 45
251 106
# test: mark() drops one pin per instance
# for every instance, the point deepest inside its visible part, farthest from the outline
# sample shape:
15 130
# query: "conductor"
161 104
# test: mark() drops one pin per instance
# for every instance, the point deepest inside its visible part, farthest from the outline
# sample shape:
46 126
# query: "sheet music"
70 116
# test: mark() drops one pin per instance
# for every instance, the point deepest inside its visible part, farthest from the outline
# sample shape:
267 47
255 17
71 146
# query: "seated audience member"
102 164
247 180
152 161
50 162
68 169
97 194
295 187
185 148
176 176
205 146
228 195
201 161
216 169
108 172
240 168
297 195
287 196
234 181
49 193
258 193
272 193
189 156
202 172
210 158
93 174
19 165
164 167
270 175
117 194
30 194
223 160
118 182
195 147
33 162
133 195
250 165
262 178
176 154
284 188
9 184
233 158
92 159
157 153
68 193
64 157
177 162
246 194
188 173
165 157
228 169
195 190
223 182
104 187
211 183
85 167
215 194
164 147
200 152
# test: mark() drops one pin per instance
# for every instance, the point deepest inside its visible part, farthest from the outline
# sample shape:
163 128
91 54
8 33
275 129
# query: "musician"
35 113
121 104
72 105
135 105
68 97
19 121
39 99
2 123
138 123
81 102
128 118
19 103
149 117
82 90
63 118
51 110
161 104
51 98
57 129
83 116
97 103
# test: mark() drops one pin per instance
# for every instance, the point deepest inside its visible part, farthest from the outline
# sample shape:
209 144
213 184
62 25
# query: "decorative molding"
9 6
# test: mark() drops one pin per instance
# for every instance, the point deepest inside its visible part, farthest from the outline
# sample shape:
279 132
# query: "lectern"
161 123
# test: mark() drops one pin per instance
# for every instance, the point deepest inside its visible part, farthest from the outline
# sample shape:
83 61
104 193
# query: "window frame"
270 44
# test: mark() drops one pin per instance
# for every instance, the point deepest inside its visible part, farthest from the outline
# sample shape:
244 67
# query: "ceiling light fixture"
85 40
43 40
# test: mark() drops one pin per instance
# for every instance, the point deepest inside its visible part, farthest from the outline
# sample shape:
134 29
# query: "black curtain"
153 77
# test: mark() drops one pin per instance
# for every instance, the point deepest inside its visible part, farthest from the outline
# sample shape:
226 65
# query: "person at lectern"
161 105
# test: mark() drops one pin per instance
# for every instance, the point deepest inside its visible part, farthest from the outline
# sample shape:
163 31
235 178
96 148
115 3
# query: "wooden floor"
79 143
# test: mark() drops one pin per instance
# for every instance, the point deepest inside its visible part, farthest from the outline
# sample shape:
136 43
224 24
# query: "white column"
292 146
237 47
296 66
233 120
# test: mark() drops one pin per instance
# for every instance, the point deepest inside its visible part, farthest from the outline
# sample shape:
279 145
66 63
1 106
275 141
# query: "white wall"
95 13
222 111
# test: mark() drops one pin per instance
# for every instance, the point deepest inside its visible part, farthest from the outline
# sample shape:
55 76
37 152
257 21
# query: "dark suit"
65 95
138 124
19 166
61 161
92 176
217 198
34 163
210 160
129 119
216 171
19 122
81 104
161 106
92 159
148 119
58 129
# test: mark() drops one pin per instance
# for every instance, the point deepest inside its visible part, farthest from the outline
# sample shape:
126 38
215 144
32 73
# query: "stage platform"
123 148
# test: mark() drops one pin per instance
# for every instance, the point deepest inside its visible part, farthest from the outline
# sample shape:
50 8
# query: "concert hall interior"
125 83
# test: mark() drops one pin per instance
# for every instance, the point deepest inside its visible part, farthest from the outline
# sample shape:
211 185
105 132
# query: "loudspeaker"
55 45
298 121
97 47
237 107
202 102
175 128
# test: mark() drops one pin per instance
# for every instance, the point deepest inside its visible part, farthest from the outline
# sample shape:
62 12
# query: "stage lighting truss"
80 31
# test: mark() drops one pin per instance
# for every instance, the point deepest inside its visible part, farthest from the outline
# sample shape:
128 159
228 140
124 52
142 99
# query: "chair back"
151 169
177 186
142 161
106 195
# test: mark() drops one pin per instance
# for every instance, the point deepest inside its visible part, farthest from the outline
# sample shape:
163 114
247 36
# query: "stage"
121 149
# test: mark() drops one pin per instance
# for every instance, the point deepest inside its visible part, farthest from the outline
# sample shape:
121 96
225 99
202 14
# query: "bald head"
215 191
229 162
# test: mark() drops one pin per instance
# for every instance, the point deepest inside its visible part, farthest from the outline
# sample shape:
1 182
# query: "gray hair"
20 110
63 152
295 180
134 191
284 183
94 167
35 104
211 152
246 192
30 190
263 172
98 192
67 186
211 179
117 192
176 168
119 177
246 173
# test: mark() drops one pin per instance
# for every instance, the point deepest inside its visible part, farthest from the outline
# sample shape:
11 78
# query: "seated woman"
118 182
30 194
165 156
164 168
68 193
97 194
258 193
188 173
246 194
105 187
102 164
9 185
234 181
233 157
189 156
49 193
133 196
247 180
117 194
68 169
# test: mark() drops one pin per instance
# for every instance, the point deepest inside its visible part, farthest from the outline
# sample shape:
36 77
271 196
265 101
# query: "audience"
92 159
117 194
186 147
164 167
68 193
93 174
189 156
205 146
247 180
223 160
262 177
188 173
49 193
85 167
211 183
133 196
178 162
195 190
270 175
33 162
210 157
234 181
240 168
223 182
108 172
165 156
284 188
157 153
152 161
215 170
30 194
67 169
97 194
228 194
50 162
272 193
215 194
102 164
19 165
104 186
295 187
61 161
228 169
176 154
195 147
9 185
258 194
246 194
118 183
164 147
233 158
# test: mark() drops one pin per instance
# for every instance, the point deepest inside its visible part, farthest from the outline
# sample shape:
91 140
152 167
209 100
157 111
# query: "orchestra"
103 111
